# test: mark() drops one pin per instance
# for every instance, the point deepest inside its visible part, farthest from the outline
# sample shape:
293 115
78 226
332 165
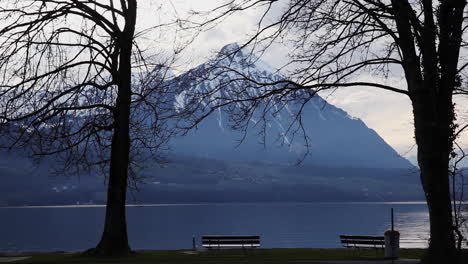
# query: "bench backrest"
362 240
230 241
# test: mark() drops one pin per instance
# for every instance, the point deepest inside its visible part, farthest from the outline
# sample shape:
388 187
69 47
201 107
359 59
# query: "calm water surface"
280 225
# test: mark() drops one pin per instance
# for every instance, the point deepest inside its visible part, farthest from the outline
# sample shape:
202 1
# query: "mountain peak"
230 48
234 54
337 138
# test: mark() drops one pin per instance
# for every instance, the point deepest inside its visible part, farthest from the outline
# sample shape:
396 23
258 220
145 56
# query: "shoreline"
198 250
218 203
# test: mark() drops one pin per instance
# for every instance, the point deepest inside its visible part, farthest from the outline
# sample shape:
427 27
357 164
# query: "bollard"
392 244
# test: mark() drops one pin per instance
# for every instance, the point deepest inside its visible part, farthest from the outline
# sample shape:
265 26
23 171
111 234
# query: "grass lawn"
270 256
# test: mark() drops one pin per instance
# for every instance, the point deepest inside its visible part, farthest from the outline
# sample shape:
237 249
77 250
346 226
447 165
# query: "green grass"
269 256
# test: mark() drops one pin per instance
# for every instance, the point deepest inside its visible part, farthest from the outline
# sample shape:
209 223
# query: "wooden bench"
363 241
218 242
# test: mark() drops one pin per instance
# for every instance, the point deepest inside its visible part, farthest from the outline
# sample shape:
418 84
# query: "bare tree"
75 84
333 42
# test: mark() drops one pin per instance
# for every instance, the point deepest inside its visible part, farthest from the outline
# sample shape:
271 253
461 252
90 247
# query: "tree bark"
114 240
433 122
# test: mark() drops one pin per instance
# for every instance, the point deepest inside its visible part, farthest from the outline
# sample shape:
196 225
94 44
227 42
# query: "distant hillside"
200 180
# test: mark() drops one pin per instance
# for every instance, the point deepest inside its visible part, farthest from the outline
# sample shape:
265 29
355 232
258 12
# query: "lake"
280 225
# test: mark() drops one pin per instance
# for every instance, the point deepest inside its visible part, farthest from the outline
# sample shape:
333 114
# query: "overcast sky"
387 113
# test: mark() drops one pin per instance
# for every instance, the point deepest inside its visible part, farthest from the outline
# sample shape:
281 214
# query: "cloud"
239 27
388 113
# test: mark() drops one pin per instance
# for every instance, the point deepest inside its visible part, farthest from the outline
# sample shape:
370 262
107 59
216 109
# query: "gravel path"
398 261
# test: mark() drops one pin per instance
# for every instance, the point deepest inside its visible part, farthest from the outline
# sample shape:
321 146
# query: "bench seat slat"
231 237
363 237
229 245
222 241
362 242
362 246
231 242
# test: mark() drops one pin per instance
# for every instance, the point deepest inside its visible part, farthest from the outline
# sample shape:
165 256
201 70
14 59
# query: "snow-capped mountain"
335 139
348 161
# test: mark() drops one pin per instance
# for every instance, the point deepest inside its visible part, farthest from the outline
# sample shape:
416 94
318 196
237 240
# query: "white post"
392 241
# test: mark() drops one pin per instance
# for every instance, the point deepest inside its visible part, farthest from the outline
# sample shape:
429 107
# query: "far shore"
214 203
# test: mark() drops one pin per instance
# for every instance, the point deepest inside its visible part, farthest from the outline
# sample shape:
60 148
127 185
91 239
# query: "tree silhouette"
75 84
333 42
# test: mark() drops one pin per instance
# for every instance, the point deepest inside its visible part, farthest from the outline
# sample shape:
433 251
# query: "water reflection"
413 228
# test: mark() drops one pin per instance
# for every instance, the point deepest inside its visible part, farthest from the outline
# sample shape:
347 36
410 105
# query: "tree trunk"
435 184
433 121
114 241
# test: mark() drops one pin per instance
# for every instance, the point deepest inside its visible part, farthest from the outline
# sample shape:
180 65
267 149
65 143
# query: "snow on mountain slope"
335 138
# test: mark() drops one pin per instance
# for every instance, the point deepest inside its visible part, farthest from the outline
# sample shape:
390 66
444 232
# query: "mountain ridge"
336 138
